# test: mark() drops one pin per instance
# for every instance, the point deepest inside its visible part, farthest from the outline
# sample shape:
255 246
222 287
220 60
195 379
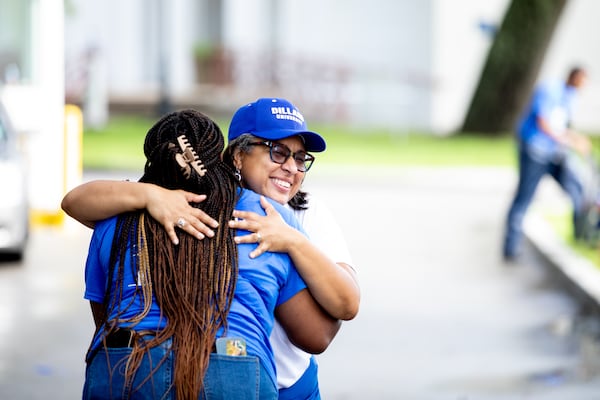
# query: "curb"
579 276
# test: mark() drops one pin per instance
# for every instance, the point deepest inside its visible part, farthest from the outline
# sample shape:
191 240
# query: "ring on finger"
181 222
258 237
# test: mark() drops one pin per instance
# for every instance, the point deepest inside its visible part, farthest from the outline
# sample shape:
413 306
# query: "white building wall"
394 63
576 42
246 25
178 42
460 48
128 36
37 110
361 62
125 43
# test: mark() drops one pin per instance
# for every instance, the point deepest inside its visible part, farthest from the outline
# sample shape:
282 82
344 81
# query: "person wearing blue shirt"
268 146
161 309
545 143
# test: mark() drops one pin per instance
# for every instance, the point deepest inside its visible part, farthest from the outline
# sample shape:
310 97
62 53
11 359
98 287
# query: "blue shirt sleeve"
292 286
294 282
96 265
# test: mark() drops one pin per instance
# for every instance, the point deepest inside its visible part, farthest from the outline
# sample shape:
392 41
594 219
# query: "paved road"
441 316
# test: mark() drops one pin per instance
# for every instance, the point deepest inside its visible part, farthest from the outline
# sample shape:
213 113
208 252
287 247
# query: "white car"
14 204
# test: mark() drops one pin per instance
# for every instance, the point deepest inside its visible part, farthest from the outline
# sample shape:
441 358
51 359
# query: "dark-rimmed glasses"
280 153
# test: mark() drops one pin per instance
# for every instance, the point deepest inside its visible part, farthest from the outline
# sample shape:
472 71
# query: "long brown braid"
193 283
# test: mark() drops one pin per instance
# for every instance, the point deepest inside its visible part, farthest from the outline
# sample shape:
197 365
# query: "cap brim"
312 140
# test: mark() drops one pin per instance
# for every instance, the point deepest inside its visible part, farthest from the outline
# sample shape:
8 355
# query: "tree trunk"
512 65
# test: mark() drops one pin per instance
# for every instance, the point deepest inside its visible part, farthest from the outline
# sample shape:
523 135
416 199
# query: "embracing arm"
97 200
306 324
98 312
333 285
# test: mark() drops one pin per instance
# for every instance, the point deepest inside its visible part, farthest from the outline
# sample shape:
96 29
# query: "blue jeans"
105 375
227 377
534 163
237 378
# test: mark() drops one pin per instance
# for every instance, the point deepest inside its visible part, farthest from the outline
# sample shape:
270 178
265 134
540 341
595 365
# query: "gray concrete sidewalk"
578 274
442 317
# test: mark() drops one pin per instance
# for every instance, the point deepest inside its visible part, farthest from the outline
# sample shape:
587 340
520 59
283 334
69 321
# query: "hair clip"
188 158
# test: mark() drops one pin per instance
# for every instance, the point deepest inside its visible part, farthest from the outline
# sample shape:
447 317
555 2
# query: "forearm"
334 286
99 313
97 200
306 324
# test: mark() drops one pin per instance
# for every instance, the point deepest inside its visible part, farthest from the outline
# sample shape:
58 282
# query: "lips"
281 183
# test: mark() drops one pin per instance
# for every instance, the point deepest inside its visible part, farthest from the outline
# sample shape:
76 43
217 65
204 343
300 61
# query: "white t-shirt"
558 119
325 233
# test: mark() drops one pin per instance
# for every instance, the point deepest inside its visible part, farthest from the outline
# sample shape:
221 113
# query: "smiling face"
277 181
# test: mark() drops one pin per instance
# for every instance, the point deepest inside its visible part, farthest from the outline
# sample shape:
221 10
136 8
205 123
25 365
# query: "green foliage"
562 224
203 50
117 146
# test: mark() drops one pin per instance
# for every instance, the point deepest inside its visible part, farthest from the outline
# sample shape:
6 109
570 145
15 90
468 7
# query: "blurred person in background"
160 309
545 142
268 147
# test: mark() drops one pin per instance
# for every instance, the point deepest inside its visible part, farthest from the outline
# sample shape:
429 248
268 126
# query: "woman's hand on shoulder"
172 209
271 232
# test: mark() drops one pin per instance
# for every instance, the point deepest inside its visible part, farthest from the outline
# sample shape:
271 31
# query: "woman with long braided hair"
159 308
268 145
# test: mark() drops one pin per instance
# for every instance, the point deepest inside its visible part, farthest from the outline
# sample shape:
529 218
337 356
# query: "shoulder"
104 226
250 201
104 232
315 210
551 88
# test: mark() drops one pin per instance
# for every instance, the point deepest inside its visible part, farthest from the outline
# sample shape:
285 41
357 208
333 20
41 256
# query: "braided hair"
193 282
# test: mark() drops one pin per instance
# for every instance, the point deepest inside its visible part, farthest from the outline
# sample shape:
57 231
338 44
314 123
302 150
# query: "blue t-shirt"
552 101
263 283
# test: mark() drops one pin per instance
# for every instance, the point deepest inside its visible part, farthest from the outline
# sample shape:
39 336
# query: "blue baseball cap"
272 118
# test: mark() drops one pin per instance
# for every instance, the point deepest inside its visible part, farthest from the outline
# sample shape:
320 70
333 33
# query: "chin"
281 199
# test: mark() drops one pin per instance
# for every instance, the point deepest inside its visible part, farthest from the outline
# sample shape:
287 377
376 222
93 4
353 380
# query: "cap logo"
288 113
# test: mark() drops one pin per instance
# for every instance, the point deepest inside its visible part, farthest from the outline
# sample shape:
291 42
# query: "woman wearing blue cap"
190 321
268 145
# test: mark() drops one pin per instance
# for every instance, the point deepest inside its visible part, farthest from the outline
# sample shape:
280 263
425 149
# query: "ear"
238 157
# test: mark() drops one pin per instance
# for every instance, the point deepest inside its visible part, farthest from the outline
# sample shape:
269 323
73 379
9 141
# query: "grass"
561 224
119 146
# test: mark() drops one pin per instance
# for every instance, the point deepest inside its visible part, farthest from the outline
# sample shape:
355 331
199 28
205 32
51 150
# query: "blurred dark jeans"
535 161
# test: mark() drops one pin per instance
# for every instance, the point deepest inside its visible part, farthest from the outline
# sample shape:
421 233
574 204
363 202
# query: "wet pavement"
442 317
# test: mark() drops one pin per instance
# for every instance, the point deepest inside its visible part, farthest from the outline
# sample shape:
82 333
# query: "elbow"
67 204
347 308
318 349
349 298
318 342
350 310
323 343
326 337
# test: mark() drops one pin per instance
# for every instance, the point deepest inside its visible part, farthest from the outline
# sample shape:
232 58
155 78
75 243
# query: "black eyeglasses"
280 153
